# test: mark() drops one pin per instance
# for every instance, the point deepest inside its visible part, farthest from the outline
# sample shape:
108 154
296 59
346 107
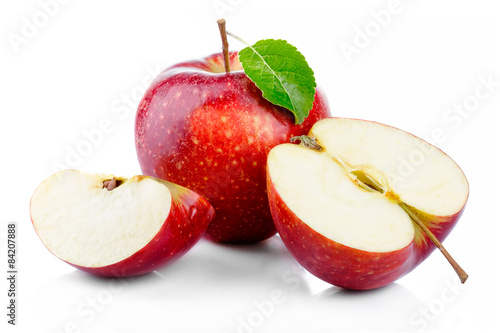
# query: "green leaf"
282 73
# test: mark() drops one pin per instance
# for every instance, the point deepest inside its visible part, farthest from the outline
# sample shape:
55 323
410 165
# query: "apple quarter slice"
359 204
134 228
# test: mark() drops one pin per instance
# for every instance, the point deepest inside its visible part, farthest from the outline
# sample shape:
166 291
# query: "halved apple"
113 226
359 204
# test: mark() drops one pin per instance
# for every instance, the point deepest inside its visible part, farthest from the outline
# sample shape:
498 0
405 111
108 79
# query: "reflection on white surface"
219 288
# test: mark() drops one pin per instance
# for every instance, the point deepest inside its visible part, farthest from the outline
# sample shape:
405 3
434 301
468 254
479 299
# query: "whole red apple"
211 131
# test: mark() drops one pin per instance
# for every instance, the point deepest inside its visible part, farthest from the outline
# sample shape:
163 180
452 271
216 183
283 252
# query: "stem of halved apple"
367 182
461 273
225 46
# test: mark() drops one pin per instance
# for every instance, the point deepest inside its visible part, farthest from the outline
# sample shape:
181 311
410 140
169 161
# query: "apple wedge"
360 204
113 226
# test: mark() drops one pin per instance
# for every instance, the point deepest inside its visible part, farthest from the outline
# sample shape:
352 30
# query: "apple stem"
225 46
461 273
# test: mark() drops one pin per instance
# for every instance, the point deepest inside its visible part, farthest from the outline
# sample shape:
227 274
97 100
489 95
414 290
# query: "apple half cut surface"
117 227
359 204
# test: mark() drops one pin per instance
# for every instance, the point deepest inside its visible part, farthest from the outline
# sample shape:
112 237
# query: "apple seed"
109 184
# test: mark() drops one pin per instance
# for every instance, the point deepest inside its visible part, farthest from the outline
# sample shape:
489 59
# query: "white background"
89 59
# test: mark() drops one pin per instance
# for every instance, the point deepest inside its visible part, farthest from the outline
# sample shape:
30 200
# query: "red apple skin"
190 215
347 267
211 132
333 262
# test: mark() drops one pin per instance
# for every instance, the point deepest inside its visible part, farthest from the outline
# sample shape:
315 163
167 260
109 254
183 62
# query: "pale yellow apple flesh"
85 224
420 174
321 193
